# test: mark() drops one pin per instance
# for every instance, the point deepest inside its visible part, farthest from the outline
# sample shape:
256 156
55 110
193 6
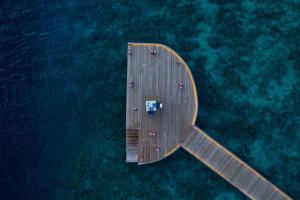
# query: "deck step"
132 144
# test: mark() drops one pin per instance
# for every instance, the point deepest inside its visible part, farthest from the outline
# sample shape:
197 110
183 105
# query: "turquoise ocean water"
63 89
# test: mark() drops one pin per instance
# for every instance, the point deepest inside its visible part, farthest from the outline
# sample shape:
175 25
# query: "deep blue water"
63 83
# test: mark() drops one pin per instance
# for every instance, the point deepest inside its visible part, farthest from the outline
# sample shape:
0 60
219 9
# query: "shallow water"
63 83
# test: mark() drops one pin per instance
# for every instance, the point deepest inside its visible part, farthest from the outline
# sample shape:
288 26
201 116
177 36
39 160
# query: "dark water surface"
63 83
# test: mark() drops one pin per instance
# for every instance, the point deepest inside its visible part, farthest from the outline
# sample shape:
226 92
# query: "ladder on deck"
132 144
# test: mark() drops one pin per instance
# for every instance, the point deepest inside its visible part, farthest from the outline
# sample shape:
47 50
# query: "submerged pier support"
156 73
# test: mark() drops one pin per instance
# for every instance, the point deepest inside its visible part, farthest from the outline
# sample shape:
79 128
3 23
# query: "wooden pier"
157 73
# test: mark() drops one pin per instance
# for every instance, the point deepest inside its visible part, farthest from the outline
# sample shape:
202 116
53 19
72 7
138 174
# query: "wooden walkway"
230 167
156 72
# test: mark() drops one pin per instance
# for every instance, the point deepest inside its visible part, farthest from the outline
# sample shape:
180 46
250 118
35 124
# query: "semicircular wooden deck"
158 76
156 72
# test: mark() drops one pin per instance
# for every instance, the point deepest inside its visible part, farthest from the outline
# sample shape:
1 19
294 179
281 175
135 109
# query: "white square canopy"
151 105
